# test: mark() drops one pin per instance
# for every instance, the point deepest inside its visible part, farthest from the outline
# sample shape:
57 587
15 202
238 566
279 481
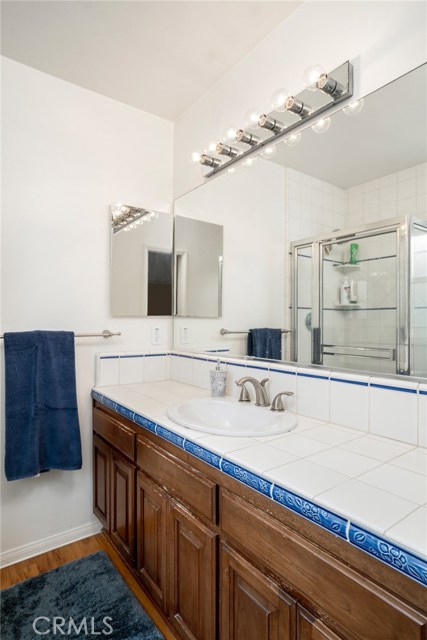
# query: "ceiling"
159 56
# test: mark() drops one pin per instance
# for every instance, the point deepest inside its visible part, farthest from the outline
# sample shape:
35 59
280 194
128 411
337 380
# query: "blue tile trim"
170 435
389 553
390 388
200 452
252 366
312 375
127 413
288 373
360 308
246 477
155 355
422 393
202 359
362 384
140 355
318 515
144 422
233 364
109 357
109 403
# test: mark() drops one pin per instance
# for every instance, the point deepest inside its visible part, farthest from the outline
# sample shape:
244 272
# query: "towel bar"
105 334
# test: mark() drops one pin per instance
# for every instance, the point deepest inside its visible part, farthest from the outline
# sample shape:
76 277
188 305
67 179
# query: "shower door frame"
402 227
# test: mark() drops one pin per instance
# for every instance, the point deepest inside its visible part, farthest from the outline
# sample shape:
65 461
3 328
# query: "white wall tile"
155 368
313 393
283 378
131 369
350 400
181 369
200 372
107 370
394 413
235 371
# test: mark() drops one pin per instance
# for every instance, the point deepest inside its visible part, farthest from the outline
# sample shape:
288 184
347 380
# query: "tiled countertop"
369 490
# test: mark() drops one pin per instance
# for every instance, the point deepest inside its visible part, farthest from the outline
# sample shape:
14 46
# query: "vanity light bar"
337 86
122 216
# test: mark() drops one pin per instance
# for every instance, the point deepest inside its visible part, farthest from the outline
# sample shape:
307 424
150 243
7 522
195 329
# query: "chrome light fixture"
124 217
262 130
330 86
247 138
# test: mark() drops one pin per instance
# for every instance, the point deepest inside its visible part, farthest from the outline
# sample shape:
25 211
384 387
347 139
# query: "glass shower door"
359 302
303 304
418 298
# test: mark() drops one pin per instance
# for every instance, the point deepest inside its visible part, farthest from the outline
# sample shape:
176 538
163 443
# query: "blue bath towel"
42 425
265 343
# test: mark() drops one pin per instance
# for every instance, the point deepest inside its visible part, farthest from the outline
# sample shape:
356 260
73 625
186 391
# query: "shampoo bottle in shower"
345 292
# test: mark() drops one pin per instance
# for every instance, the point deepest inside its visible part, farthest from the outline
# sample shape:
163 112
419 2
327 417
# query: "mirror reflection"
323 185
141 262
198 259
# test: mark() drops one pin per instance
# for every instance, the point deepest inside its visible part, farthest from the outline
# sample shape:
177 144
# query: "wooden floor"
52 559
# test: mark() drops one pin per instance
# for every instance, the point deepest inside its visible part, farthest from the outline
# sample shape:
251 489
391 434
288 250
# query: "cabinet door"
101 481
252 606
151 505
191 575
122 505
311 628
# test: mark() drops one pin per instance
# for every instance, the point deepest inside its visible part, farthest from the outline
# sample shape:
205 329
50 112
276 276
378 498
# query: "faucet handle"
244 393
277 404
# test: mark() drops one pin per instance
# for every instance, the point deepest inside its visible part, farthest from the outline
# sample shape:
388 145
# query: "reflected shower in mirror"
141 262
198 249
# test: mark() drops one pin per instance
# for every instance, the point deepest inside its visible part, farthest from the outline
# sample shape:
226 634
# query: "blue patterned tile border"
390 553
247 477
318 515
170 435
144 422
127 413
204 454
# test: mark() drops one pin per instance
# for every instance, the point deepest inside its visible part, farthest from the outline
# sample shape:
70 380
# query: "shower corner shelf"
344 307
346 267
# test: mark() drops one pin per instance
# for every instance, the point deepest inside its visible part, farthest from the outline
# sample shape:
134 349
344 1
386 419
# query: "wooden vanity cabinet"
222 562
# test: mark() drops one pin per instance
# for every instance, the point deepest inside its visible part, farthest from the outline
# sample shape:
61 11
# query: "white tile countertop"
370 490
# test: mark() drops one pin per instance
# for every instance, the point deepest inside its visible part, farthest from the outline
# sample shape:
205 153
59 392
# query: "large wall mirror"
289 223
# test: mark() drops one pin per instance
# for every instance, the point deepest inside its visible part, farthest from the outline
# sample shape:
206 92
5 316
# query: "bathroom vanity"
221 559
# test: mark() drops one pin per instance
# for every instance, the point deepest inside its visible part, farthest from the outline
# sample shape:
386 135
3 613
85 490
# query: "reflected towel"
42 426
265 343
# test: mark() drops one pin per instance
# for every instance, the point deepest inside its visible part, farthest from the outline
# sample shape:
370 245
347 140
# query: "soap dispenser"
218 381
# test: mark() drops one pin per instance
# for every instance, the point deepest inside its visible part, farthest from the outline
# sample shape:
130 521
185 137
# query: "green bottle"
353 253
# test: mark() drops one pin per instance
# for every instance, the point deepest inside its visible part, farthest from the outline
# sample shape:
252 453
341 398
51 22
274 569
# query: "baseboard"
47 544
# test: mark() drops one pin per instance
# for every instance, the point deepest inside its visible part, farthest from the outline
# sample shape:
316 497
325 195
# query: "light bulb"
268 152
278 99
231 170
354 107
229 132
251 118
311 76
322 125
195 157
211 146
293 140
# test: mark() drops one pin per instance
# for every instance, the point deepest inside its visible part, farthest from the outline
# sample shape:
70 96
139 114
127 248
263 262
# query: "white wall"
383 40
67 154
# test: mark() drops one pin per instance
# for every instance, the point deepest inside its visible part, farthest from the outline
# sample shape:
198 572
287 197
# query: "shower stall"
360 298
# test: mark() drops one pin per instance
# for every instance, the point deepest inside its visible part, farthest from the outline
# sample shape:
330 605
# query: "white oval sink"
230 418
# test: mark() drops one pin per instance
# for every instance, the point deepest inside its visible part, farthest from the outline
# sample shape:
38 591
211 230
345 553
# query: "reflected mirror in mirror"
141 262
248 204
367 165
198 248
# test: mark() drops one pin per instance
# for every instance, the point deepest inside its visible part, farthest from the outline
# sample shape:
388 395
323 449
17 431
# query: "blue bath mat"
86 598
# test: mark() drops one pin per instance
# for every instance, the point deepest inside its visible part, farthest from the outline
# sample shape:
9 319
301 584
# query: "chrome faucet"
261 399
277 404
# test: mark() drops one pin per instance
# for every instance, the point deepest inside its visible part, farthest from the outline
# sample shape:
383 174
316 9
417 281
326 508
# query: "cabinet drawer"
365 610
120 437
187 484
